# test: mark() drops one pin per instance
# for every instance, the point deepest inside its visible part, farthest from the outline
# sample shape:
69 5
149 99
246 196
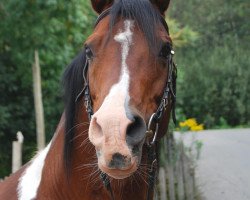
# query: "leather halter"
169 95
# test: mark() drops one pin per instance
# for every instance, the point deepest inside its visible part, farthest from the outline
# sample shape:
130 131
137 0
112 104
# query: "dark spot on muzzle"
119 161
136 150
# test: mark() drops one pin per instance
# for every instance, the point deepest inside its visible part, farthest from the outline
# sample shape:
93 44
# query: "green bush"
57 30
214 85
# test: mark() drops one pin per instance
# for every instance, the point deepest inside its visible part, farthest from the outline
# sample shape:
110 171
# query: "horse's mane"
73 84
146 17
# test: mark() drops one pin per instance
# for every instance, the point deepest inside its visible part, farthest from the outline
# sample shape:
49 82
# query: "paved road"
223 171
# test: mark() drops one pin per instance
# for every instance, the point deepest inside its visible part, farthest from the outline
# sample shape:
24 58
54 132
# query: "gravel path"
223 171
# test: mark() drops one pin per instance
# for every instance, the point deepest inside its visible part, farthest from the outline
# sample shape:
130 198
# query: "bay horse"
119 92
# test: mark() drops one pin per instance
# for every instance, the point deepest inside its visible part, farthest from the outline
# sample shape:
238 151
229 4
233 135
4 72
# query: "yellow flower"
199 127
191 122
182 124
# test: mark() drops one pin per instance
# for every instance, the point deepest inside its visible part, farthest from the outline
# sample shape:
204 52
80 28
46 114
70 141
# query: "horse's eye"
165 50
89 53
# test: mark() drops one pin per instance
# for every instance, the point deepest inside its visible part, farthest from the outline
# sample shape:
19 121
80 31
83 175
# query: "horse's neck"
83 181
54 180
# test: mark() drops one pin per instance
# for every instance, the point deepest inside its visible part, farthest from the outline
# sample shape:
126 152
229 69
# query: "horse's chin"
120 176
119 173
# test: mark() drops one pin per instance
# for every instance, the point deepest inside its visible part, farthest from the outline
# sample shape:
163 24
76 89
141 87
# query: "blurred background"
211 41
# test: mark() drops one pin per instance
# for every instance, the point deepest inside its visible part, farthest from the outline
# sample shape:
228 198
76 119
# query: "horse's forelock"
145 15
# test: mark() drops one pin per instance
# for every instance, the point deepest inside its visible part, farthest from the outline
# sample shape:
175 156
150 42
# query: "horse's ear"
101 5
162 5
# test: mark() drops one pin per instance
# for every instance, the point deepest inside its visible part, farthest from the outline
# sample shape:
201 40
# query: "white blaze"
119 92
125 39
30 180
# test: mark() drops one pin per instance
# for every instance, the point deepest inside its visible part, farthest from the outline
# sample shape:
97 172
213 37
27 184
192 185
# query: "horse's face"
126 83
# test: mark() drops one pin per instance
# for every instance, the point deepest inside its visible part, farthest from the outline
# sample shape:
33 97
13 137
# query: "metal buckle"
86 103
150 132
153 165
165 103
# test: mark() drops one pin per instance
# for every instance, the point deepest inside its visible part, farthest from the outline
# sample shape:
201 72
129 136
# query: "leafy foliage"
214 69
181 36
57 30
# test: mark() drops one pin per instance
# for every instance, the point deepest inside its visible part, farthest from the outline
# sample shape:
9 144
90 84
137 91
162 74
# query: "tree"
215 68
181 36
57 29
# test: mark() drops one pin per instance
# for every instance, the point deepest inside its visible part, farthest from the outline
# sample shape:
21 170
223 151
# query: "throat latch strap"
106 182
168 99
152 172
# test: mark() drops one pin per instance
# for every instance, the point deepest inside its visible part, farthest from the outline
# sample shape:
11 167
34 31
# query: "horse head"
127 71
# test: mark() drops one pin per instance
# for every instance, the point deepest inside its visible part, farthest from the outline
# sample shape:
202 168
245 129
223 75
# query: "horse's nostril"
119 161
96 133
136 131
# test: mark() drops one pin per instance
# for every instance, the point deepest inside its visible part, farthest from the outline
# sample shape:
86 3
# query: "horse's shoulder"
8 187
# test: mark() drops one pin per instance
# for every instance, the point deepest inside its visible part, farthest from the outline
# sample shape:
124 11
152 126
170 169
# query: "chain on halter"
85 91
169 94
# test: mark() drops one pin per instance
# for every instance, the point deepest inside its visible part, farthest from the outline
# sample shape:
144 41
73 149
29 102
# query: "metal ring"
150 121
156 129
155 134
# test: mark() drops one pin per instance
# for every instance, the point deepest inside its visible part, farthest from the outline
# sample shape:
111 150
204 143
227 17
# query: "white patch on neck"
30 180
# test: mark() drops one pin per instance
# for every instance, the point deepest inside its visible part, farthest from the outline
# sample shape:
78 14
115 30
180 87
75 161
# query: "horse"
118 92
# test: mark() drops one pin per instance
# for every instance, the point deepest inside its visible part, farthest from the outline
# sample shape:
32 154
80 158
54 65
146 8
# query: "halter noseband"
169 94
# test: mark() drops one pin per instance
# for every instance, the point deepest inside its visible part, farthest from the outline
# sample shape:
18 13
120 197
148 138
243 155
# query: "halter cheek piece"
169 95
